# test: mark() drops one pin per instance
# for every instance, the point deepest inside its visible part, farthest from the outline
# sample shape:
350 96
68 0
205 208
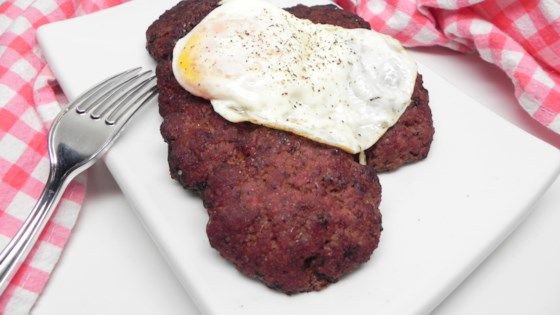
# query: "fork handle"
13 255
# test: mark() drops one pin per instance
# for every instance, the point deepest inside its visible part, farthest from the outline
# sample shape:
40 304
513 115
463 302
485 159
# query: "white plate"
441 217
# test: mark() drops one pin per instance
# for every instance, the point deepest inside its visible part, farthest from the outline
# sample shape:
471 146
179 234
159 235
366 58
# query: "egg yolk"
186 60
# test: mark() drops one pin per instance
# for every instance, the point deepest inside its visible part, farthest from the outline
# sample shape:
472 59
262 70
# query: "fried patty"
286 210
407 141
293 215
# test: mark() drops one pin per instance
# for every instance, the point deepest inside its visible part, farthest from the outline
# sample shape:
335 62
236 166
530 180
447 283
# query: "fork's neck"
15 252
58 180
54 187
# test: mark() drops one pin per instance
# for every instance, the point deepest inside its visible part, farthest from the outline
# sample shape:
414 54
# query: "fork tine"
128 99
103 104
86 95
100 85
139 102
83 103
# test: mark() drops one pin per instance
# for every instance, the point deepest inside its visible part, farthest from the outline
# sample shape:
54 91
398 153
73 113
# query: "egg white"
258 63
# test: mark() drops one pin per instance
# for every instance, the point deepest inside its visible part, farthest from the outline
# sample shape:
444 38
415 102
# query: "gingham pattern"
522 37
29 100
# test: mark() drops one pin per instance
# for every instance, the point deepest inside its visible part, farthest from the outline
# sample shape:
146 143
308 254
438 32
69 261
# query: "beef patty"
286 210
407 141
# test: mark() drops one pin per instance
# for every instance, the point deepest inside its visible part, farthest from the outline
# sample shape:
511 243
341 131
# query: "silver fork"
77 139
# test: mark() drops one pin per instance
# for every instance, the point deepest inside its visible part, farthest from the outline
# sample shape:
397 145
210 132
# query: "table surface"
111 266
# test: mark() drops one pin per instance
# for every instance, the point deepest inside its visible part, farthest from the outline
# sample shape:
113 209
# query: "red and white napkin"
29 100
522 37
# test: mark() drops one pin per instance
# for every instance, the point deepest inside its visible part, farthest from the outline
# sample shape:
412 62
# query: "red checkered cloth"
522 37
29 101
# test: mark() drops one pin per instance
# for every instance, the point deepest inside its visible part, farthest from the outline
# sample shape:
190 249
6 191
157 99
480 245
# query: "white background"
111 266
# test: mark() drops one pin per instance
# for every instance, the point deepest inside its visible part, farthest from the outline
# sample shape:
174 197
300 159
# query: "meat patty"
293 215
407 141
286 210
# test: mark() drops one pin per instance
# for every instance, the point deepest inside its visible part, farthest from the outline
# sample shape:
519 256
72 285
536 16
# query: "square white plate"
441 216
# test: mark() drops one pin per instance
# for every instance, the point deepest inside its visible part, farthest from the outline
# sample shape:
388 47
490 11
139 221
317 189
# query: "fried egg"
258 63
